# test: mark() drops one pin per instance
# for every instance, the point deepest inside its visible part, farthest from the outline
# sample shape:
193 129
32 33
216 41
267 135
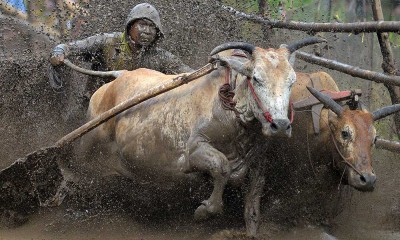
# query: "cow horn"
327 101
233 45
385 111
305 42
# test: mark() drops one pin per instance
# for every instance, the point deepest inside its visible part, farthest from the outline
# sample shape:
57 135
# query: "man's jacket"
110 51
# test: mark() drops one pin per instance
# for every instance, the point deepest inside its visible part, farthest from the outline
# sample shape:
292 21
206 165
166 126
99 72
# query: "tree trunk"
388 64
263 10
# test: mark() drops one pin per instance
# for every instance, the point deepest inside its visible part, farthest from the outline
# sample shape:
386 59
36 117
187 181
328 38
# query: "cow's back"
320 81
152 135
120 90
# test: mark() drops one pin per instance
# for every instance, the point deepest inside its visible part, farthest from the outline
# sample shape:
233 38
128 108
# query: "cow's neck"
235 96
248 128
245 128
230 94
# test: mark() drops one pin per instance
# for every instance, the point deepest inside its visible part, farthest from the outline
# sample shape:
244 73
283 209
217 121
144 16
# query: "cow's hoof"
206 210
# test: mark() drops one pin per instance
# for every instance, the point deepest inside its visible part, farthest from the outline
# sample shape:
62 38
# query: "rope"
345 160
226 94
113 74
266 114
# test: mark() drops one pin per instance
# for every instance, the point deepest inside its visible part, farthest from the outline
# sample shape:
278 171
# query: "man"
134 48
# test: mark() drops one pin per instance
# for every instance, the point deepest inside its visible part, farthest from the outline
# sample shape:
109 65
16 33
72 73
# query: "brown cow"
346 135
187 130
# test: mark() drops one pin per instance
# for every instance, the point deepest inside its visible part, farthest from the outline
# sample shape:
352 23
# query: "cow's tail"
113 74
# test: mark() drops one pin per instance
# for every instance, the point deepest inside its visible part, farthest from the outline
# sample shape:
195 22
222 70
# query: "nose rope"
266 114
291 111
345 160
226 94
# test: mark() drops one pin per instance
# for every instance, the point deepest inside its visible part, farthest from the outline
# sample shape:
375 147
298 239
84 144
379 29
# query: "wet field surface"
371 216
34 115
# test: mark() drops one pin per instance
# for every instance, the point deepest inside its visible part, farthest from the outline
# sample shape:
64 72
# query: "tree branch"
392 146
380 26
348 69
387 54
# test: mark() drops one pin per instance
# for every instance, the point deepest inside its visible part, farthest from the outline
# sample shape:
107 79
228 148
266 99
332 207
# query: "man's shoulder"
112 37
107 35
160 51
115 34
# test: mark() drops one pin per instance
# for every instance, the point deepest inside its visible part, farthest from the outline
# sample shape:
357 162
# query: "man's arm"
88 47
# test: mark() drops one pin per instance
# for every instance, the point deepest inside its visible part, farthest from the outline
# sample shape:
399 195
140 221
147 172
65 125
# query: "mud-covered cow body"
187 129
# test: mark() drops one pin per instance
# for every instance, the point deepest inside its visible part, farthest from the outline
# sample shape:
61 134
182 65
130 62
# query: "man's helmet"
147 11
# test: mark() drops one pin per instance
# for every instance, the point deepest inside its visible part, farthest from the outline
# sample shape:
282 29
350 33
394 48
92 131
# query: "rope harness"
316 108
345 160
266 114
226 94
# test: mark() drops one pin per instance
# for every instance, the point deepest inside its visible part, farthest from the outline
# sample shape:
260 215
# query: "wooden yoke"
316 105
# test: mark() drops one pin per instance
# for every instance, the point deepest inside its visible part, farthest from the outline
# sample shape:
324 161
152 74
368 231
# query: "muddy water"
33 115
58 223
372 216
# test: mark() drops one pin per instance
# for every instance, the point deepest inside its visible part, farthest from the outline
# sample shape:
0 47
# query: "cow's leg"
205 158
252 201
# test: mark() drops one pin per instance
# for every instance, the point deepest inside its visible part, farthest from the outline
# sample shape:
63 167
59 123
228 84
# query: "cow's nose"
368 178
366 182
281 125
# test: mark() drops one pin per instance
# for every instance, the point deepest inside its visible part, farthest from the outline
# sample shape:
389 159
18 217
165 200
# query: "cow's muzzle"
364 182
280 127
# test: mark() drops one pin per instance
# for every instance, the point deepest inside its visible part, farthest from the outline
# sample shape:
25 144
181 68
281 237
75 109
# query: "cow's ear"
242 68
246 69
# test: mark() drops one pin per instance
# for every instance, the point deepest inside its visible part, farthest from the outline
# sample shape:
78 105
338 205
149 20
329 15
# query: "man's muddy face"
143 32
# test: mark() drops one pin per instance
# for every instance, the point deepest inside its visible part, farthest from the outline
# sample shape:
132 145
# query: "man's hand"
58 55
56 60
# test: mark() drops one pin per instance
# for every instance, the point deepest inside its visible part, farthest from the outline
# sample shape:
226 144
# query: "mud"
34 115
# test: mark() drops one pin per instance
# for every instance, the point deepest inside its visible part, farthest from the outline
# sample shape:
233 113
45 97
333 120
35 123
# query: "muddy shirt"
110 51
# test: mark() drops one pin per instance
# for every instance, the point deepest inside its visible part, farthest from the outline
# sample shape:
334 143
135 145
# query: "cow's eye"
256 80
345 135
